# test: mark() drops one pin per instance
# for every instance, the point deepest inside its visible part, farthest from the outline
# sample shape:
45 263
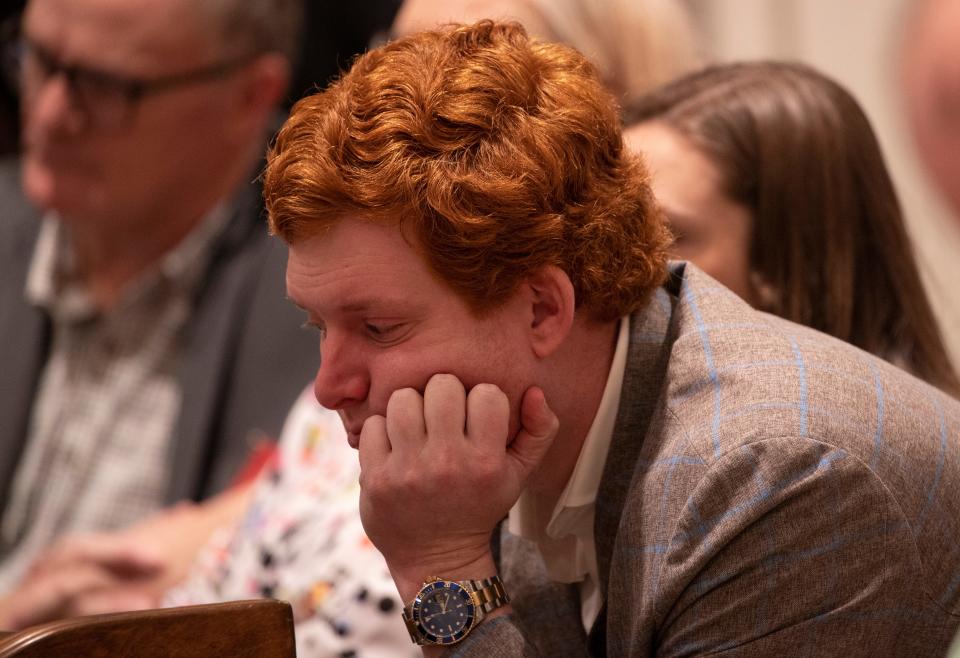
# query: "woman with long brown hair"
774 183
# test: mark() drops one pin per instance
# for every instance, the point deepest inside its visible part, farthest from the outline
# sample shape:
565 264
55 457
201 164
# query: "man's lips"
353 438
353 432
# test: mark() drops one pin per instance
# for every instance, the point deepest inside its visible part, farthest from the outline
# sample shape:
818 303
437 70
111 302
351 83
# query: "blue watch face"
444 611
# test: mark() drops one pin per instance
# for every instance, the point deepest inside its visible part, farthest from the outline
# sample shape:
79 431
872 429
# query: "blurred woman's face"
712 231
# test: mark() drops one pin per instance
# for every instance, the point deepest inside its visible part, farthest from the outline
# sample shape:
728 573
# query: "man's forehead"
357 265
351 238
339 267
126 36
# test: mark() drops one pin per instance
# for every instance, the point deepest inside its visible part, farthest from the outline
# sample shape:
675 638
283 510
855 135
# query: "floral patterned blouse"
301 541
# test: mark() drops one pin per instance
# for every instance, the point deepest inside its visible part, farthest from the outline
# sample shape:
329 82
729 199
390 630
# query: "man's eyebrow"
355 307
351 307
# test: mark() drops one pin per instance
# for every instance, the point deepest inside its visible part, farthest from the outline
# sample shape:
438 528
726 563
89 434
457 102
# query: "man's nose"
341 381
52 106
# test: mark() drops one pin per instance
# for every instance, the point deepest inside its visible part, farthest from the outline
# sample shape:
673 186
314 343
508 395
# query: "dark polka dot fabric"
301 540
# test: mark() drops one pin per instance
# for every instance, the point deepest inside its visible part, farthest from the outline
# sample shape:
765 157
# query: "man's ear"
552 302
264 85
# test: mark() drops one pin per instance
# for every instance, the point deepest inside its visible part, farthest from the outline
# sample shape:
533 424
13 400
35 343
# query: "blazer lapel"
209 341
24 328
650 343
547 611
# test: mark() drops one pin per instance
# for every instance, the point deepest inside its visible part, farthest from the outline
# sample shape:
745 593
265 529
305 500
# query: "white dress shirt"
564 532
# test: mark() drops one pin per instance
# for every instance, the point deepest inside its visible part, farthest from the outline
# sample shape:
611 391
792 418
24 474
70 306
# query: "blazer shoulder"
787 515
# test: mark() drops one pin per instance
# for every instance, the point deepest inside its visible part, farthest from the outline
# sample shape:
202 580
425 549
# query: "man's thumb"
538 428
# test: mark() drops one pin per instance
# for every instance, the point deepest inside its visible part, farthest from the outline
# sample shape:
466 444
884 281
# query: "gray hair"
258 26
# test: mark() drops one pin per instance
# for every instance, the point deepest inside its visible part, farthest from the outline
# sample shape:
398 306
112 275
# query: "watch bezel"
416 609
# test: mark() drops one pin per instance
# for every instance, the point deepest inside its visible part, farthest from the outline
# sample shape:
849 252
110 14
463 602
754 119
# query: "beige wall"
856 42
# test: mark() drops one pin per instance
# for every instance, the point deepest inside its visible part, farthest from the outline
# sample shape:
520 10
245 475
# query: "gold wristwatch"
445 611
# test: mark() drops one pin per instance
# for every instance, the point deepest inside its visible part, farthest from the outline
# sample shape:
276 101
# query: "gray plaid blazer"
769 491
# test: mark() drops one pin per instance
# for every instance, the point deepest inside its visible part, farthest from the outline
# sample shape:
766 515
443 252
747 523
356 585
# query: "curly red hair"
504 154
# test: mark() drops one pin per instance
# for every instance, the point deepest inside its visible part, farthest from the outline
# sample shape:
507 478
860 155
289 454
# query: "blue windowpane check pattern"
769 491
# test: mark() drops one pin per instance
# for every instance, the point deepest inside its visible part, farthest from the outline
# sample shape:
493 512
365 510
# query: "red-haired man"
503 338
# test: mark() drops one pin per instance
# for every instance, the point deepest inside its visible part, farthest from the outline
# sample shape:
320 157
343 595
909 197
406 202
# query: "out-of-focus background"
858 44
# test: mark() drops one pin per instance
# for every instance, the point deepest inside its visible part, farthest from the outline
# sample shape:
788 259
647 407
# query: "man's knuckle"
444 379
487 391
444 384
403 397
488 470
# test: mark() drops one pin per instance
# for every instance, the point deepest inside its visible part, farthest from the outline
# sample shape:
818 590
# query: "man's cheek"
398 369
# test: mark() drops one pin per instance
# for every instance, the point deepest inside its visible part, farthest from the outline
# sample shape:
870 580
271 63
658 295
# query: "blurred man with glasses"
144 339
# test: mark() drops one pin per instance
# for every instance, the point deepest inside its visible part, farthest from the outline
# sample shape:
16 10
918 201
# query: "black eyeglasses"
107 99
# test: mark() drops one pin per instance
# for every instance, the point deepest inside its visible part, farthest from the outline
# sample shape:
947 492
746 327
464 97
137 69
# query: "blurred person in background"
145 340
931 81
293 534
635 45
774 183
299 539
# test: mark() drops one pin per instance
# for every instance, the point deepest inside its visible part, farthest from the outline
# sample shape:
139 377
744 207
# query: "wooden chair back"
238 629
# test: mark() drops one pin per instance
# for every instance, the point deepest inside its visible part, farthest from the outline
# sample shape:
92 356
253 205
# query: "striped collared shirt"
97 455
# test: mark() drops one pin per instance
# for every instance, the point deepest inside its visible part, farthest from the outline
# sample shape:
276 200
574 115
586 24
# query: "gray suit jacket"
245 358
769 491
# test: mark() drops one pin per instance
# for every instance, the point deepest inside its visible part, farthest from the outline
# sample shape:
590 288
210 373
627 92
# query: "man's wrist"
410 578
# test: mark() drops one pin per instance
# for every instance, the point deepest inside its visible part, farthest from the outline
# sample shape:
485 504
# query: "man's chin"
39 184
69 193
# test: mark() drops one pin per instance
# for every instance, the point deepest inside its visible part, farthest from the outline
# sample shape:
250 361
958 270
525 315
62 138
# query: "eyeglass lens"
104 101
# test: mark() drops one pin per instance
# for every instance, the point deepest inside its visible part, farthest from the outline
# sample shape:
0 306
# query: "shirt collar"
46 279
527 518
584 482
52 284
565 539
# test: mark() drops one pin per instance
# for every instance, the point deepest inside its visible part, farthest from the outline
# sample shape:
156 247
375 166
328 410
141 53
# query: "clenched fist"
440 471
